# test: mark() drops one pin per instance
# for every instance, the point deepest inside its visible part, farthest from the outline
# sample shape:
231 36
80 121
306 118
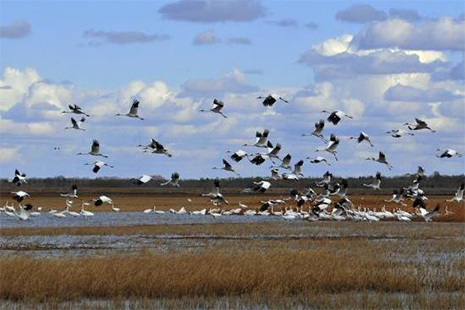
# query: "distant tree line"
434 181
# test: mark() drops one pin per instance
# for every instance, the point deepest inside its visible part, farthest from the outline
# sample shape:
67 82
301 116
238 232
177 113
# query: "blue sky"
384 61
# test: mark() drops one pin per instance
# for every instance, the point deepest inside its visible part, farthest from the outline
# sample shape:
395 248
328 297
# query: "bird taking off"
331 147
174 181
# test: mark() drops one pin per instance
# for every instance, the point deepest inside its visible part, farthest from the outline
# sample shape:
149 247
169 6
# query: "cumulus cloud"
361 13
210 11
122 37
439 35
16 30
408 93
405 14
233 82
208 37
285 23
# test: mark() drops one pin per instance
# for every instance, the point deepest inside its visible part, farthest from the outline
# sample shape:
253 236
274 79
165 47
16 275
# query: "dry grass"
271 275
166 202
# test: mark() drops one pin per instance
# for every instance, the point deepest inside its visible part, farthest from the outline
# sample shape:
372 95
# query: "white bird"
215 194
381 159
218 105
133 110
72 193
319 159
296 173
363 137
95 150
398 133
331 147
156 147
98 165
174 181
285 163
318 132
448 153
60 214
72 213
20 195
458 195
419 125
270 100
326 179
238 155
261 186
261 139
376 183
275 175
19 178
397 197
101 200
227 167
77 125
115 209
428 215
74 108
142 180
85 213
336 116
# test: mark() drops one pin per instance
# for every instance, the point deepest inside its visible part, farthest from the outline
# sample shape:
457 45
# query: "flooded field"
234 261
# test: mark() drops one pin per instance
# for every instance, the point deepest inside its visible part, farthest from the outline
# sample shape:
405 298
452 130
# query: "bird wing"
420 122
134 107
95 147
226 164
218 104
17 172
382 156
287 159
174 176
73 121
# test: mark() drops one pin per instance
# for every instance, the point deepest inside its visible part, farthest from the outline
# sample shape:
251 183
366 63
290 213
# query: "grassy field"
294 265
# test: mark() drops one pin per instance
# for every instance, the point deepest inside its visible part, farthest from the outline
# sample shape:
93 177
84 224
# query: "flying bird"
285 163
261 186
144 179
227 167
215 194
458 195
156 147
174 181
74 108
448 153
376 184
398 133
133 110
270 100
98 165
72 193
19 178
296 174
318 132
261 139
101 200
363 137
237 156
331 147
418 125
77 125
336 116
95 150
381 159
20 195
319 159
218 105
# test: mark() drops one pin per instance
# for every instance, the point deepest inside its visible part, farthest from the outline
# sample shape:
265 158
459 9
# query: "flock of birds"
307 205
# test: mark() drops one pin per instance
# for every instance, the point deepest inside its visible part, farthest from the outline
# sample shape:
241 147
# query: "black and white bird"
215 194
448 153
238 155
458 195
296 174
270 100
227 167
74 108
363 137
261 186
218 105
275 175
318 132
98 165
285 163
326 179
336 116
174 181
398 133
20 195
397 197
133 111
273 151
77 125
428 215
101 200
376 184
381 159
19 178
258 159
144 179
72 193
95 150
331 147
419 125
155 147
318 159
261 139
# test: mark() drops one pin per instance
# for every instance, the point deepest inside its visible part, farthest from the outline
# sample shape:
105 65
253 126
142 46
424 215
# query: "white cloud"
9 154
